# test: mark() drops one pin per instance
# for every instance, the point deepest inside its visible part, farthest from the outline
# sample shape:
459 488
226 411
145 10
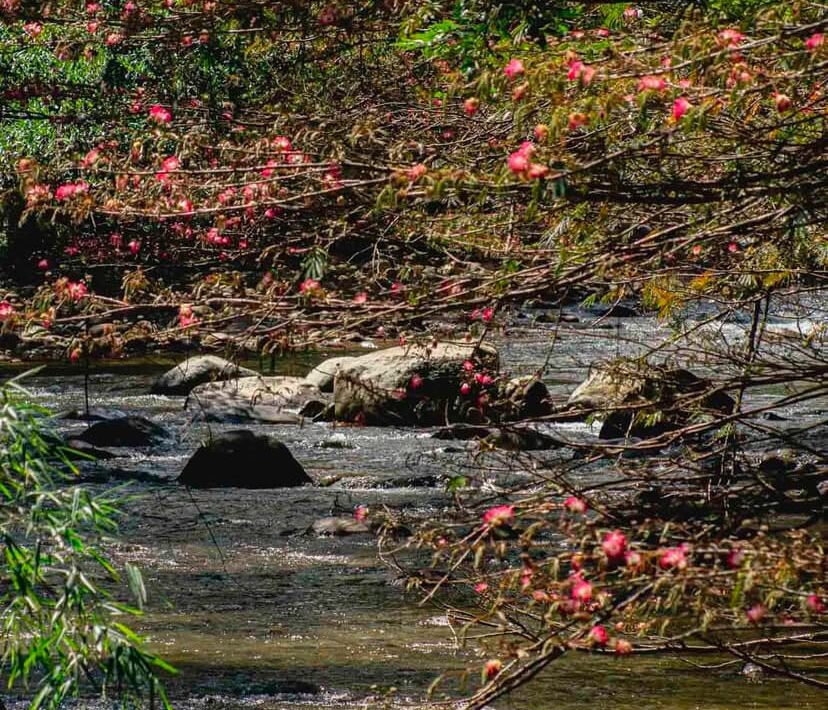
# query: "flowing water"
257 614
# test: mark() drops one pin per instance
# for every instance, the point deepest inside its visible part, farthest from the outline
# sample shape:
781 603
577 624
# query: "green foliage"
60 624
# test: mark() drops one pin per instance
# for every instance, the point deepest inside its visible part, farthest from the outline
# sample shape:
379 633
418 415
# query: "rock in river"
196 371
271 400
637 398
411 384
124 431
322 376
242 459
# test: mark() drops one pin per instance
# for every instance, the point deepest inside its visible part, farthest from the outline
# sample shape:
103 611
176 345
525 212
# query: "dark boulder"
124 431
242 459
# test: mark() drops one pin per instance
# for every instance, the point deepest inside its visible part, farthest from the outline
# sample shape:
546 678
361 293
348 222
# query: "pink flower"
680 107
756 613
471 105
282 144
598 635
492 668
541 132
134 247
513 69
735 558
361 298
579 70
575 505
168 165
309 285
733 247
416 382
76 290
576 120
518 162
651 83
416 172
730 38
465 389
536 172
6 310
43 264
480 587
468 366
602 32
64 192
159 114
581 591
633 560
815 41
614 545
499 515
33 29
673 558
623 647
360 513
487 313
782 101
186 317
815 604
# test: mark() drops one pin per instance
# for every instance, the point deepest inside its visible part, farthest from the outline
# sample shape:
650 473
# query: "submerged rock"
196 371
640 399
414 384
270 400
242 459
124 431
340 526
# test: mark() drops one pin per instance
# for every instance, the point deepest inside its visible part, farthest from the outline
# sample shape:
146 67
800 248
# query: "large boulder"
124 431
242 459
322 376
270 400
196 371
412 384
640 399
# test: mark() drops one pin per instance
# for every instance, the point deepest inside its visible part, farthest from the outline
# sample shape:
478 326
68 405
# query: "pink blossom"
64 192
76 290
416 172
499 515
579 70
513 69
186 317
282 144
518 162
782 101
471 105
733 247
159 114
598 635
541 132
680 107
815 41
633 560
465 389
416 382
360 513
309 285
756 613
602 32
735 558
492 668
536 172
652 83
43 264
575 505
134 247
581 591
730 37
623 647
6 310
576 120
614 545
468 366
33 29
480 587
361 298
673 558
815 604
487 313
